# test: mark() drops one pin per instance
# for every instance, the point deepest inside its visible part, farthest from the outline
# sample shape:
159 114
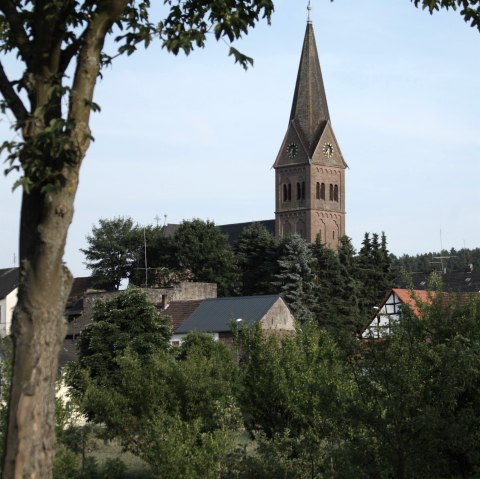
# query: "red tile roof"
413 297
179 311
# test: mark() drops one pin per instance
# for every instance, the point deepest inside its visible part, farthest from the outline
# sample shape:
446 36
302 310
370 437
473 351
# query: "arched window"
322 191
318 191
299 191
331 192
303 190
335 193
285 193
289 192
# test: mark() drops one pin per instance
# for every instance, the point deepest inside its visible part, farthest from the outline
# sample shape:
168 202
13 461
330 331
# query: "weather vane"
309 9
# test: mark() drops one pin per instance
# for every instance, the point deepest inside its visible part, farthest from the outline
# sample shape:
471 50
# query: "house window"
322 191
335 193
331 192
318 191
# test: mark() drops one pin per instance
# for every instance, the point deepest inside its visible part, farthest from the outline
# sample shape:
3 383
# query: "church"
309 167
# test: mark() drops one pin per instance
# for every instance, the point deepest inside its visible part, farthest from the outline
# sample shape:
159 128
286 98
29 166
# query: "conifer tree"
295 277
348 294
327 285
256 258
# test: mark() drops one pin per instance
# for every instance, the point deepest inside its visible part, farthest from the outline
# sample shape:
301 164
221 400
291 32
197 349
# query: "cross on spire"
309 9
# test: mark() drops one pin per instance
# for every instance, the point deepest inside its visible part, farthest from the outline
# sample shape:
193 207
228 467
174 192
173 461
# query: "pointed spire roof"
309 108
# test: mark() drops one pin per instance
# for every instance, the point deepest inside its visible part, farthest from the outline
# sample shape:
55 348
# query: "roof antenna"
309 8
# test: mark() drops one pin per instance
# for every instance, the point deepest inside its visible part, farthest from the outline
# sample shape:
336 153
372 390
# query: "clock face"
328 150
292 150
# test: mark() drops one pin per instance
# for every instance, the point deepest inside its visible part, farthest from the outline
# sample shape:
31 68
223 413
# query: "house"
9 280
390 310
215 316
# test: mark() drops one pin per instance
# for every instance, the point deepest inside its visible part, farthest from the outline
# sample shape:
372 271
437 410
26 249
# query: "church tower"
310 169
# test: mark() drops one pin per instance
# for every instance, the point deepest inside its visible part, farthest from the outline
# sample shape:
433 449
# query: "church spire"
309 108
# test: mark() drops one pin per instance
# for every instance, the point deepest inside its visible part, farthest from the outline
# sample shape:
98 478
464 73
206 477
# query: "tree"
295 276
154 261
52 111
418 389
174 409
295 392
200 247
327 287
469 9
255 250
112 249
128 319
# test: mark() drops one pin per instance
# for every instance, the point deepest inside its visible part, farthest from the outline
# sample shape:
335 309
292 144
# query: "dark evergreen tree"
295 278
374 273
256 258
327 285
348 294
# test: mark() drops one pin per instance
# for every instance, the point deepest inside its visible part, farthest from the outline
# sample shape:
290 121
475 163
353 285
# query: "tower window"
322 191
335 193
331 192
299 191
289 192
303 190
318 191
285 193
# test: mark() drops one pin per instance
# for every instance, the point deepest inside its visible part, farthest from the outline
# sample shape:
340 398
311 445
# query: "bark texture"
39 326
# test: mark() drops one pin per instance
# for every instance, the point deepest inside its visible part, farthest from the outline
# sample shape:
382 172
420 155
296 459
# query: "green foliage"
6 352
256 253
200 247
459 260
296 391
128 319
112 249
295 276
469 9
151 242
418 407
374 272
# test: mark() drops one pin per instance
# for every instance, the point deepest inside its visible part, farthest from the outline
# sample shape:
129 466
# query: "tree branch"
11 97
16 25
88 64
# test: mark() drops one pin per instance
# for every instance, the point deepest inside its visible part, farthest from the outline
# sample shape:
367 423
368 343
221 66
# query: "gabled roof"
233 230
412 297
309 108
216 315
452 281
9 280
179 311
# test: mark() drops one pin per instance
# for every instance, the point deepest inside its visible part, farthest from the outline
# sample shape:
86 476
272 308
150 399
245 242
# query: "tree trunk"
38 331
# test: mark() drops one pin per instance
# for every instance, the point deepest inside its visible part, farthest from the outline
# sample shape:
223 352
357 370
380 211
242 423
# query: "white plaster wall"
7 306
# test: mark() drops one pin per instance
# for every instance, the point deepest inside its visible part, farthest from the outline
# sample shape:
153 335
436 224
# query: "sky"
196 137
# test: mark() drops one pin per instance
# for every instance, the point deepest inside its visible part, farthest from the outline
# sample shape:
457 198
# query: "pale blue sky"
196 136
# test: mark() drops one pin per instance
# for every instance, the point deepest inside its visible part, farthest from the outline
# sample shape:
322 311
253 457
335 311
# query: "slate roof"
309 108
9 280
453 281
216 314
233 230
